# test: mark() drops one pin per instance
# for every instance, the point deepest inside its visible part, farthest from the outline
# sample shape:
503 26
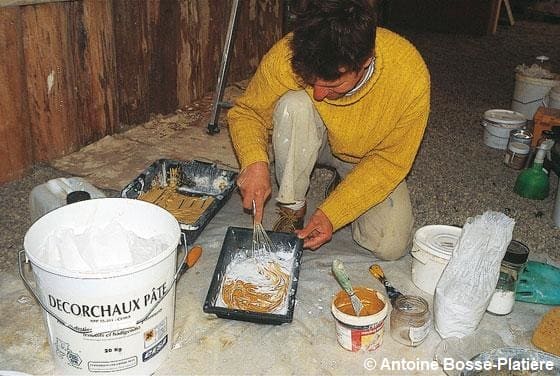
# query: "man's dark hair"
330 34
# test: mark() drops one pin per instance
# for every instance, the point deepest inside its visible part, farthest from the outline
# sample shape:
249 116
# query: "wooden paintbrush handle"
378 274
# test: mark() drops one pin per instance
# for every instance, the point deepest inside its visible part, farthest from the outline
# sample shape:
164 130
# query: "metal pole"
213 127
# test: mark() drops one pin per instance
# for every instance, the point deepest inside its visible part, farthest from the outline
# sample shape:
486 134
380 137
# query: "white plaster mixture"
99 248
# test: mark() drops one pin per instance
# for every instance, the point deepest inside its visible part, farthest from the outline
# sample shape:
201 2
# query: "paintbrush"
378 274
342 278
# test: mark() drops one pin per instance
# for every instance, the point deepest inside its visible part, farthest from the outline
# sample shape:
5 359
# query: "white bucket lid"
437 240
505 118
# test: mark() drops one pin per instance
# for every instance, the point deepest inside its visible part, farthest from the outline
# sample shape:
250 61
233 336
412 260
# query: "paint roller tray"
199 183
239 240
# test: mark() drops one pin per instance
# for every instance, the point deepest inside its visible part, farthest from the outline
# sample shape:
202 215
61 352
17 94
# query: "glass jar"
511 267
523 136
517 155
410 320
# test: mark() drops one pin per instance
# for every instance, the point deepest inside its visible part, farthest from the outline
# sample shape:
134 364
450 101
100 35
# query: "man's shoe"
289 220
333 181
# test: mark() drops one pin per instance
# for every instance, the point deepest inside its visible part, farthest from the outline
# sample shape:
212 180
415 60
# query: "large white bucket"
554 97
530 93
498 125
432 248
97 322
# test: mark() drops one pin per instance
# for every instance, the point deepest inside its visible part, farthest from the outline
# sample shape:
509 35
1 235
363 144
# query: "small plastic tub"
432 248
365 332
498 125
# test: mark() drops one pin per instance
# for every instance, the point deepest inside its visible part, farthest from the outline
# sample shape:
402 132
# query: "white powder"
248 269
501 302
201 181
99 249
535 71
220 184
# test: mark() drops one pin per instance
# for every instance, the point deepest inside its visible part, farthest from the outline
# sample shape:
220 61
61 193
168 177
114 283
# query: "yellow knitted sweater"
379 128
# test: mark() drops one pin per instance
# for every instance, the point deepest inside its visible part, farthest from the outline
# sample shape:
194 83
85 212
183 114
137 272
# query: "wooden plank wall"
15 134
73 72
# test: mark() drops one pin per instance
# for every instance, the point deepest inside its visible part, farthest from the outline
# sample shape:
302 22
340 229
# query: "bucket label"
63 351
355 339
154 335
114 365
418 334
114 317
108 310
147 355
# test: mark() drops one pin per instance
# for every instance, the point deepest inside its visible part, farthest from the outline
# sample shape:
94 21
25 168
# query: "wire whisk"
262 245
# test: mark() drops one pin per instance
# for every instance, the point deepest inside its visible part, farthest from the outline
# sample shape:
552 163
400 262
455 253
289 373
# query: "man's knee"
386 229
291 101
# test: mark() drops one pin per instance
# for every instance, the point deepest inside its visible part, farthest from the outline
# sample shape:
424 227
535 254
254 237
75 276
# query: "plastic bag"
469 279
452 350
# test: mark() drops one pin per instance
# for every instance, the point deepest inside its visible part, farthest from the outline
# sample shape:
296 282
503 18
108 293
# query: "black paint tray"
196 179
237 240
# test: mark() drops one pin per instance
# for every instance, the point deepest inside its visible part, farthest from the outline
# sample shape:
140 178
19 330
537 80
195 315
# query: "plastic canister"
498 125
100 321
365 332
432 248
54 193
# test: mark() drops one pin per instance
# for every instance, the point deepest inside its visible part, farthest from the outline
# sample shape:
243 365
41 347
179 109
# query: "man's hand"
317 232
254 184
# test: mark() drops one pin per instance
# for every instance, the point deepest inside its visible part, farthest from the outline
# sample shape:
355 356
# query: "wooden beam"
496 15
509 12
15 136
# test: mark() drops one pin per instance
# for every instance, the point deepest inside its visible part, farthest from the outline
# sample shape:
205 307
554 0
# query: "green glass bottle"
533 183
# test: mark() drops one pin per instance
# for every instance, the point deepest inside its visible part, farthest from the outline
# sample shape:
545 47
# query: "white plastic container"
97 322
52 194
530 93
498 125
554 97
432 248
359 333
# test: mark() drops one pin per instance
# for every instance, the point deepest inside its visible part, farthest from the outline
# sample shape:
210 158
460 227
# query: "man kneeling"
340 92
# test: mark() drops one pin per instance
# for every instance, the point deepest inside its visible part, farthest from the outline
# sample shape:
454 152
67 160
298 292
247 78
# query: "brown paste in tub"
368 297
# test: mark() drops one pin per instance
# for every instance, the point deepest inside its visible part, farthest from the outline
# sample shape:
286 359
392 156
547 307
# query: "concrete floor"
454 177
